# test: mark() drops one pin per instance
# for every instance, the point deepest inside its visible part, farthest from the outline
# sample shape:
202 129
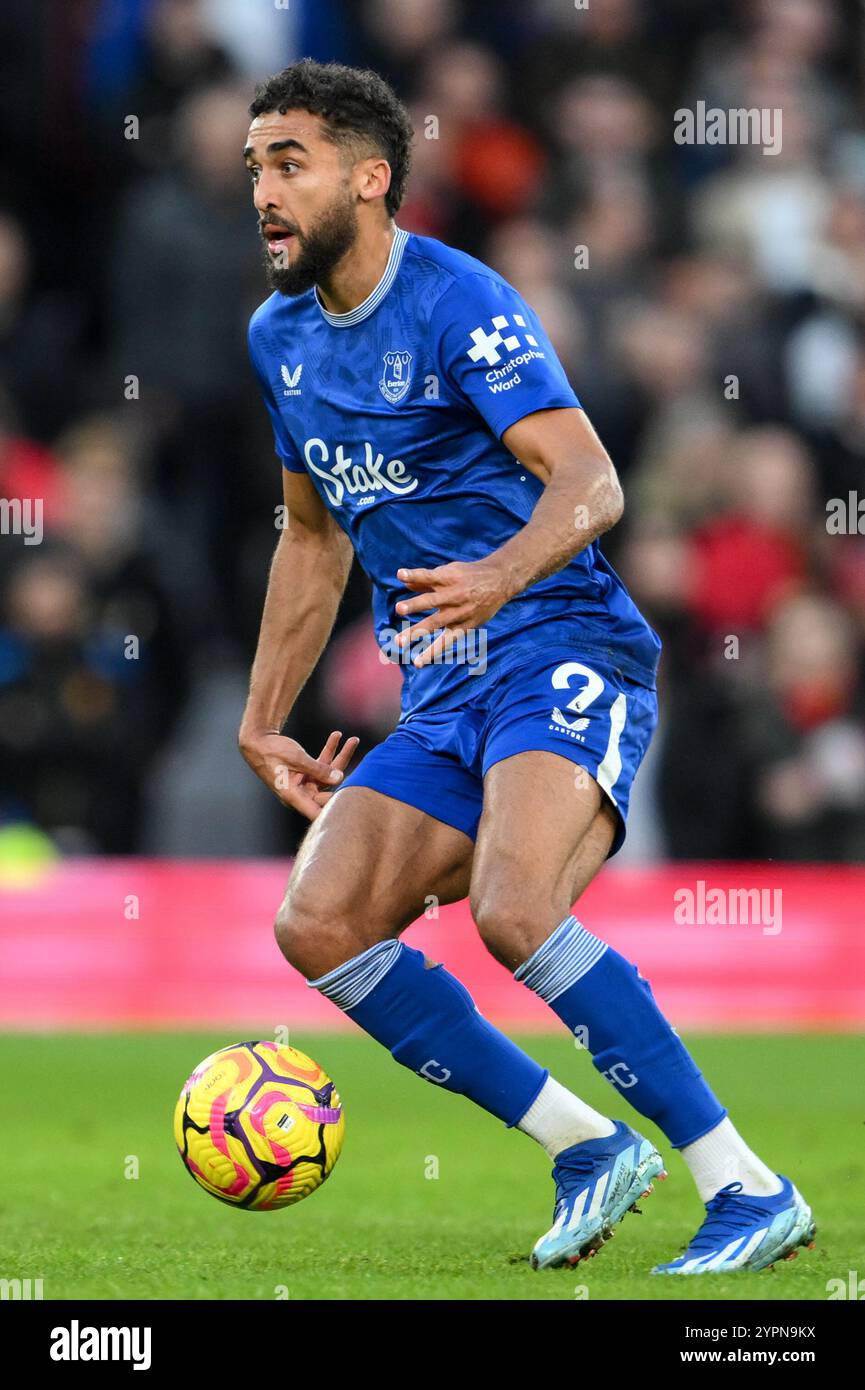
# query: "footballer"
425 425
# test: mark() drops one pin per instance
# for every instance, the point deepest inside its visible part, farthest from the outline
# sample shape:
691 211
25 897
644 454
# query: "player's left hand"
464 595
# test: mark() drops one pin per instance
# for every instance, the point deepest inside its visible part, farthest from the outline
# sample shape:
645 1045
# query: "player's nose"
265 196
265 205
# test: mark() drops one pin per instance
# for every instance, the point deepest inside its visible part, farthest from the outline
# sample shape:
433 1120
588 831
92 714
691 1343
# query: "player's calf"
429 1023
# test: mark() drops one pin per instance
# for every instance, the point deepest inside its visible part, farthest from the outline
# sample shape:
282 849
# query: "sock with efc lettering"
429 1023
602 998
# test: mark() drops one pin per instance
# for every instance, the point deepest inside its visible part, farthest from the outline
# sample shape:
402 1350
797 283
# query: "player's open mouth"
278 238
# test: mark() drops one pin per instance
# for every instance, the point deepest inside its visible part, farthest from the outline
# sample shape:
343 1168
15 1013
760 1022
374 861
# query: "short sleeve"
285 447
493 348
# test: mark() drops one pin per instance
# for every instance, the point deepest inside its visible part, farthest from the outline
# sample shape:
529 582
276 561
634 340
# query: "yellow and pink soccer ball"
259 1125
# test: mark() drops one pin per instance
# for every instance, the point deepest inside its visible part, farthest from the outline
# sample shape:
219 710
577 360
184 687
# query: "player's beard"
322 247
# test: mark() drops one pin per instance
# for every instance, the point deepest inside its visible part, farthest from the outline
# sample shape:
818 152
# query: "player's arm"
582 497
307 578
581 500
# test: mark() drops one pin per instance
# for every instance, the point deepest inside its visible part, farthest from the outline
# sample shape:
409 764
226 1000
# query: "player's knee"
507 924
289 929
307 937
317 931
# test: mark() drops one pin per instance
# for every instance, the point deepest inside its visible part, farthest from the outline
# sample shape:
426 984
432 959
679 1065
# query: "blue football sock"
430 1024
604 1000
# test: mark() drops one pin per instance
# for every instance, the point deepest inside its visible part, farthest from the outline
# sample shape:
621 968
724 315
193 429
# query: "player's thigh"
562 745
546 830
364 872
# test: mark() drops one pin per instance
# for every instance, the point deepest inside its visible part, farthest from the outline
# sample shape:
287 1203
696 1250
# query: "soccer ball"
259 1125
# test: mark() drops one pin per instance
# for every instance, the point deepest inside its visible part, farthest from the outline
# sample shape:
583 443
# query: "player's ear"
373 178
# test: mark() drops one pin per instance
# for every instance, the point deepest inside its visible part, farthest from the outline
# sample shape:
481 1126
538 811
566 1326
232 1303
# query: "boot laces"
724 1217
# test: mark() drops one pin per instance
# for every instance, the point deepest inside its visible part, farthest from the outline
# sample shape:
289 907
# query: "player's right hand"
299 780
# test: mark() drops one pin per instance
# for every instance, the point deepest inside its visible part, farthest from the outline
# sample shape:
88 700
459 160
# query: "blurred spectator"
144 580
178 56
27 471
79 719
37 338
497 164
804 738
183 265
185 278
765 512
395 37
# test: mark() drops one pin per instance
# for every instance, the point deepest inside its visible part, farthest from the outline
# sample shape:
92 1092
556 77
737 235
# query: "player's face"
303 195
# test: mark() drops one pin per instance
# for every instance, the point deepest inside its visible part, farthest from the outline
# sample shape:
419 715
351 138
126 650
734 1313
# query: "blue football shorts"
581 709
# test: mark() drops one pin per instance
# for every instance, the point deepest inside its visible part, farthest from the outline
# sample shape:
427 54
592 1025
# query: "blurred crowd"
707 300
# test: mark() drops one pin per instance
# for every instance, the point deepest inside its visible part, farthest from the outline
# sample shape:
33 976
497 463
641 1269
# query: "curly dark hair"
356 105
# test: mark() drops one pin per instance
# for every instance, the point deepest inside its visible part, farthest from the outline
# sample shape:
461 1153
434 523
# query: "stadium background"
715 335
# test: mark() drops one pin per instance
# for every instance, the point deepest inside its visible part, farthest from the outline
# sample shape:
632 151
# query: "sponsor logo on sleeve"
503 345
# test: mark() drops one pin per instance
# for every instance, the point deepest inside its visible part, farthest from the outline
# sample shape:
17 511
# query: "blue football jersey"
396 411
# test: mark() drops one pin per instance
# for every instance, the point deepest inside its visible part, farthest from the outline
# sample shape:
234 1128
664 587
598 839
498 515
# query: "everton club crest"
396 377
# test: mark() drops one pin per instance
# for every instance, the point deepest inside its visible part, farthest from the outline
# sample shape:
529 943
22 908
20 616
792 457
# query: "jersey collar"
373 299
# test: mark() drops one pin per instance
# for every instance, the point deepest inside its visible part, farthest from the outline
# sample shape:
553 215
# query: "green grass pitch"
76 1108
